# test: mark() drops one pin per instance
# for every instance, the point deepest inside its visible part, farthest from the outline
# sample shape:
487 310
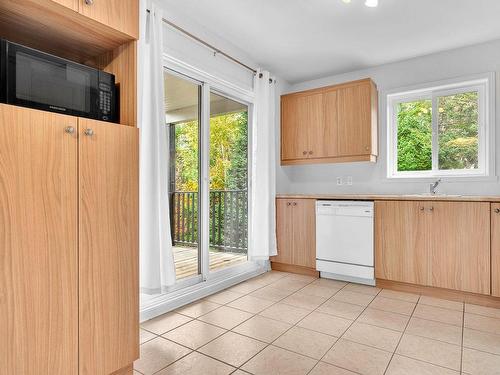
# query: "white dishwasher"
344 240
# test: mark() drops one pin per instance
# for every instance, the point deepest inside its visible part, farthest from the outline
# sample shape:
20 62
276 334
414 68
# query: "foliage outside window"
438 131
228 159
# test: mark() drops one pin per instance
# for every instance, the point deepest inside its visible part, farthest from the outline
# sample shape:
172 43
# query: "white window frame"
485 86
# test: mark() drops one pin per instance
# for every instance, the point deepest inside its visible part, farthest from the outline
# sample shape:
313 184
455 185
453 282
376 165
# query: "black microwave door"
42 81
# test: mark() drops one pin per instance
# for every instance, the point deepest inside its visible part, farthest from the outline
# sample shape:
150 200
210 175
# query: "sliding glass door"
208 136
182 107
228 196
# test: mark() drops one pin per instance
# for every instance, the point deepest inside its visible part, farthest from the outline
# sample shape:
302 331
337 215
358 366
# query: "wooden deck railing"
228 219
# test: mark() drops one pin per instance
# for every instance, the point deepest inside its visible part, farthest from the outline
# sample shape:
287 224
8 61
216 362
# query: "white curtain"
157 269
263 229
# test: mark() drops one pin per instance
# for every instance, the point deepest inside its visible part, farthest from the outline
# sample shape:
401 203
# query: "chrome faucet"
433 186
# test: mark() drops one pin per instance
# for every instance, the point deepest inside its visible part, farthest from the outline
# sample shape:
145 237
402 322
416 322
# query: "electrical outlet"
349 180
339 181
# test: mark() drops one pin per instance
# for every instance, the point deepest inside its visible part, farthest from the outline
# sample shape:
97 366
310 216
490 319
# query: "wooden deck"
186 260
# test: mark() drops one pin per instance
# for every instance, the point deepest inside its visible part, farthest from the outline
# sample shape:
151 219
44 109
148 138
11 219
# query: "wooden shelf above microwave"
51 27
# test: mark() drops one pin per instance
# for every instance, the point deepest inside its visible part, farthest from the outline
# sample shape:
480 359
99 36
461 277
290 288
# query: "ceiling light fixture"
371 3
346 1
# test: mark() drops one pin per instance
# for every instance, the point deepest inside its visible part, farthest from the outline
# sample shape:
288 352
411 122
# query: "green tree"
414 136
228 153
457 133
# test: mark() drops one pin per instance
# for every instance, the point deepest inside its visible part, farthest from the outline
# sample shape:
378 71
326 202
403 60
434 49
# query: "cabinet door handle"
431 208
310 152
294 203
422 208
69 129
497 210
88 132
288 204
89 2
304 152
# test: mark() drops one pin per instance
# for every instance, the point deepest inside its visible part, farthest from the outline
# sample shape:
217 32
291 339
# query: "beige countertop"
393 197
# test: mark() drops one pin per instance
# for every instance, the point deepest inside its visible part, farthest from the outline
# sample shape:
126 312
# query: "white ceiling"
305 39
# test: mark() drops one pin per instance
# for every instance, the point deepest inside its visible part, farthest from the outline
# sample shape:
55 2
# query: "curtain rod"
215 49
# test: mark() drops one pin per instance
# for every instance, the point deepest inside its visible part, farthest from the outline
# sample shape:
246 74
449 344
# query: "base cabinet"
296 232
439 244
401 243
68 244
495 249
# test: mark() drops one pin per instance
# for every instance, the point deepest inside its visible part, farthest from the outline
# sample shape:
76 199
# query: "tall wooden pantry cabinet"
69 247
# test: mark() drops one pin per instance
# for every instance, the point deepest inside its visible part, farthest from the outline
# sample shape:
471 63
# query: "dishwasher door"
344 238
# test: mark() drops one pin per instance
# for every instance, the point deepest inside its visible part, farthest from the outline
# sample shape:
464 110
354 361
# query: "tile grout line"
270 344
328 299
350 325
462 342
194 350
231 330
402 335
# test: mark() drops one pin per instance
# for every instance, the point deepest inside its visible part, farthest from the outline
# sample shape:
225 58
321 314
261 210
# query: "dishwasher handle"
345 211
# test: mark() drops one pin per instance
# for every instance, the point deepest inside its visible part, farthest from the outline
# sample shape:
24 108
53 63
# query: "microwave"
31 78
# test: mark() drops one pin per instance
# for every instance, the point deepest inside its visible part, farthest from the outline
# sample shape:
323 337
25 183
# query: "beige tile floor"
280 323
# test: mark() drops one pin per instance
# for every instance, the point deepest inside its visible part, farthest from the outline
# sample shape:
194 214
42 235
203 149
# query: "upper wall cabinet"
331 124
122 15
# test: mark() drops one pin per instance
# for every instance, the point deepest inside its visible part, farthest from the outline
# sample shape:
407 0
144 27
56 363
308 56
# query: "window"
440 131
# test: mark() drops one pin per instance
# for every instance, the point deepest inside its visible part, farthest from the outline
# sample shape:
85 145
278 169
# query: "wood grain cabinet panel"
401 242
38 243
354 120
495 249
108 243
439 244
296 232
303 117
71 4
330 124
324 138
284 231
121 15
460 245
304 232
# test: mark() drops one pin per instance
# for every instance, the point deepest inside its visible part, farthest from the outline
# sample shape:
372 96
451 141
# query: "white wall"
370 178
199 56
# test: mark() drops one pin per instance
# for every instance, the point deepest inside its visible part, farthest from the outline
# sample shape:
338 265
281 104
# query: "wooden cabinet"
71 4
357 111
71 28
296 232
284 231
68 244
121 15
460 245
303 116
108 243
439 244
331 124
401 243
38 243
495 249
